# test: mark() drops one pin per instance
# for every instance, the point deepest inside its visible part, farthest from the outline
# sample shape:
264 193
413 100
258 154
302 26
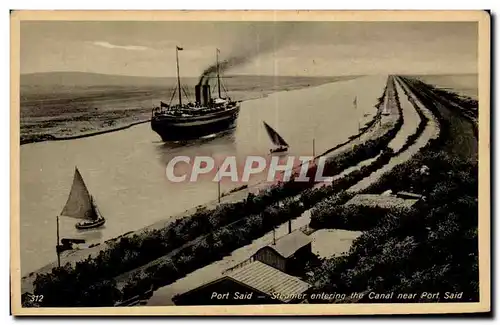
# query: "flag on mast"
355 102
180 48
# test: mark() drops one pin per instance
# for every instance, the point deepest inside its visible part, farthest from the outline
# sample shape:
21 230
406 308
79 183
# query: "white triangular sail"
275 137
79 204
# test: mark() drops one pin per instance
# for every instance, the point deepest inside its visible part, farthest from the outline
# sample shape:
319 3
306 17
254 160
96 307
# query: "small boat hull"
67 244
70 241
90 224
281 149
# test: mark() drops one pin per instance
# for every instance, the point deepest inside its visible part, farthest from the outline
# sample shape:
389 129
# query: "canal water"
125 170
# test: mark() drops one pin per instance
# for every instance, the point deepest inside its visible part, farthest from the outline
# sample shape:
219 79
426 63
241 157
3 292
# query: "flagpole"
218 75
359 132
357 117
218 185
178 75
57 246
314 154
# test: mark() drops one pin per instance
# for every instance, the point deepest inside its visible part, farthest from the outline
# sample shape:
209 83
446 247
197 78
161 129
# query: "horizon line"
246 74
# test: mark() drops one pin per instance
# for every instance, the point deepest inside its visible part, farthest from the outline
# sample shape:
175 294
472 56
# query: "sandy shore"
50 137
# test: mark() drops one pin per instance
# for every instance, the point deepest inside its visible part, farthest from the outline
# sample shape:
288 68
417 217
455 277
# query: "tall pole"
357 116
178 75
218 75
218 185
359 132
314 153
57 246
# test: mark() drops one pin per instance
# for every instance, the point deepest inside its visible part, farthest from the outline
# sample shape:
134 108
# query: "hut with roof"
287 254
265 278
253 283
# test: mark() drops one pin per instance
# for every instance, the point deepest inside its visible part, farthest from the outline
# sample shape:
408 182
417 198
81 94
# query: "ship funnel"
197 92
206 95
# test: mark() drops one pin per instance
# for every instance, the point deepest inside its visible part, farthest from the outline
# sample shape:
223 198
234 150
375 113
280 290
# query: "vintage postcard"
250 162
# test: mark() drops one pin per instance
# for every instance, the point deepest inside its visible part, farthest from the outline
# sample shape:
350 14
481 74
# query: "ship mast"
218 75
178 75
57 245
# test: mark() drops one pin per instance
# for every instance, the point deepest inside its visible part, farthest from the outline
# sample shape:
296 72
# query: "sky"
268 48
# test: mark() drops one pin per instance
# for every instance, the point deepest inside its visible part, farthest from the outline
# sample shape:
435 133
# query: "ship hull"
172 128
89 225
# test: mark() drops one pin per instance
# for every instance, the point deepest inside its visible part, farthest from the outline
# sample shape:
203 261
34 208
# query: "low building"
382 201
408 195
253 283
288 254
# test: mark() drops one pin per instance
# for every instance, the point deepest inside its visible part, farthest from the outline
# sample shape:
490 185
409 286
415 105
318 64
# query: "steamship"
206 116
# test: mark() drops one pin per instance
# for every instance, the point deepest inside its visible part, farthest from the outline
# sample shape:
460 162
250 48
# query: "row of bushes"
331 214
372 147
212 247
420 90
409 172
421 125
432 247
468 106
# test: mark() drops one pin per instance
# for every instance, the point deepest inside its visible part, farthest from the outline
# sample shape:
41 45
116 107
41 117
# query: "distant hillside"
84 79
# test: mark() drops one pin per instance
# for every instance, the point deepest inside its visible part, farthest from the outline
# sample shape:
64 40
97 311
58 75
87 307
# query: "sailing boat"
276 139
81 205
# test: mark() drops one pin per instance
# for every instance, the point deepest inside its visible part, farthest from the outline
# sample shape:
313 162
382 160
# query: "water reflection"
89 235
217 145
225 137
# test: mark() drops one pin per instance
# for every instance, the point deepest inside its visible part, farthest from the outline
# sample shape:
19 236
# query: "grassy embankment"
432 247
227 227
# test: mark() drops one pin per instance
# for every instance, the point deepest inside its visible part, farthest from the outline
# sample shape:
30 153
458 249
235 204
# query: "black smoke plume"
261 38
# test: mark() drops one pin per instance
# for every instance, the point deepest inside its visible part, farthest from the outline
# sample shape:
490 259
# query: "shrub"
432 247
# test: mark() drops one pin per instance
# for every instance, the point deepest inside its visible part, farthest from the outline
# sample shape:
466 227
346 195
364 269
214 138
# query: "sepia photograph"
190 163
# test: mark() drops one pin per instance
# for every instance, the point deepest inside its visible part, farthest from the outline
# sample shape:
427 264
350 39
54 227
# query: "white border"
149 4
